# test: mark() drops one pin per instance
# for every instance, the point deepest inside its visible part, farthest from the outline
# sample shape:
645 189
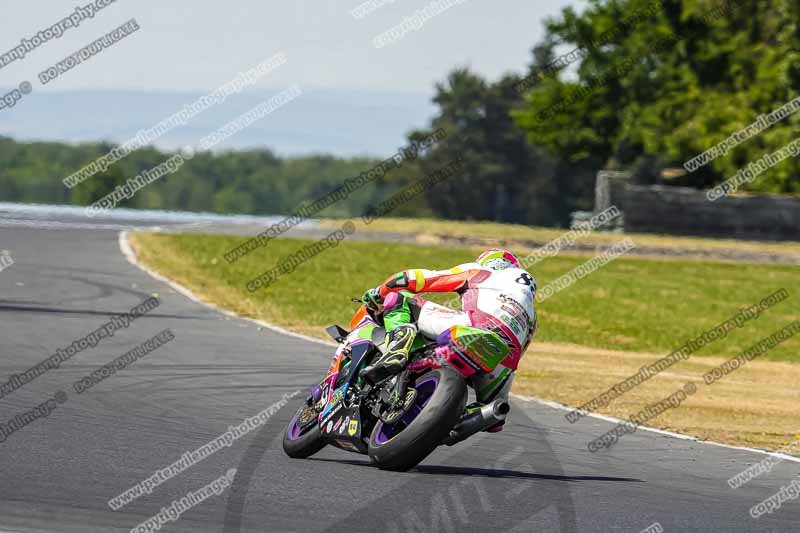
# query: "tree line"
638 85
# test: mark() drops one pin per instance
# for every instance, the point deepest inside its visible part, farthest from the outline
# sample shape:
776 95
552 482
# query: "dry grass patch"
755 406
437 232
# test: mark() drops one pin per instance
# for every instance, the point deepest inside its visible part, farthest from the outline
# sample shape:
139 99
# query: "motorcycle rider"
496 297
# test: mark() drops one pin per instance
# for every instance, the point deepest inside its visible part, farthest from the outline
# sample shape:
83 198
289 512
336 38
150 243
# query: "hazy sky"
200 44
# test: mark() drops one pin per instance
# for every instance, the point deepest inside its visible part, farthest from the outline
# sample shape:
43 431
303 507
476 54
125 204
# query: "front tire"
401 446
299 442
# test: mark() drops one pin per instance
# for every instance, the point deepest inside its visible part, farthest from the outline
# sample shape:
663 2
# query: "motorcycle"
399 421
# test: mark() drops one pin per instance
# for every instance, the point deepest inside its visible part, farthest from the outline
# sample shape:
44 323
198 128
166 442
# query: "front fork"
395 401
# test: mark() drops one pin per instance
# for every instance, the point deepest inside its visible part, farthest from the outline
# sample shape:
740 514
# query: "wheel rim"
297 429
425 389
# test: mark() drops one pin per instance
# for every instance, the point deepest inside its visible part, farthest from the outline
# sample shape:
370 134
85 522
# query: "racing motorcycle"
400 420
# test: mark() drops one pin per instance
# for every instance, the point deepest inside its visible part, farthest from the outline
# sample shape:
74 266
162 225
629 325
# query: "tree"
502 178
96 187
663 81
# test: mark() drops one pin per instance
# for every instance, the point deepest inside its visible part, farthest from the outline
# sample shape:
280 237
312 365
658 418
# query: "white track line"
562 407
130 255
59 225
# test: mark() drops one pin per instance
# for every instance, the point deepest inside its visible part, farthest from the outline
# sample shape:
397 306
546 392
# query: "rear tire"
300 446
415 442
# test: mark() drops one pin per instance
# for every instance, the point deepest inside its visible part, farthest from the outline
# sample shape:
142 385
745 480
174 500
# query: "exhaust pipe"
488 415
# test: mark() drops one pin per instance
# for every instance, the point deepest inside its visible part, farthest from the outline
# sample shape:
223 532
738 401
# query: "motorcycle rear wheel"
441 397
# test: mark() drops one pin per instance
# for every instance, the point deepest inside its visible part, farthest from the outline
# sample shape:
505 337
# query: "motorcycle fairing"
480 349
344 430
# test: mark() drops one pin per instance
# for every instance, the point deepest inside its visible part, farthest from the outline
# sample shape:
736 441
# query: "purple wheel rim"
425 389
295 429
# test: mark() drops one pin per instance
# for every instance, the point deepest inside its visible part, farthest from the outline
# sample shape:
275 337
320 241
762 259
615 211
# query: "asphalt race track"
60 471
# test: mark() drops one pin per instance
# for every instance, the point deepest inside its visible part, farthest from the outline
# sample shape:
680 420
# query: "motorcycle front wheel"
303 440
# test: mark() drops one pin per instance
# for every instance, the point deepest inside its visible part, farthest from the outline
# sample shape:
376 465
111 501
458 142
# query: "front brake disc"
308 414
395 412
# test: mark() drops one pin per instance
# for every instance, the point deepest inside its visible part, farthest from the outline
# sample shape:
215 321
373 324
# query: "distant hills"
336 122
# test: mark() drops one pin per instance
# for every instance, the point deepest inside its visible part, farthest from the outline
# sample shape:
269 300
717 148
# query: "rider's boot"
398 346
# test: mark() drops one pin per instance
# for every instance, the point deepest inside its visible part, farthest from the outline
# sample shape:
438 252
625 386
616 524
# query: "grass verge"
592 334
433 231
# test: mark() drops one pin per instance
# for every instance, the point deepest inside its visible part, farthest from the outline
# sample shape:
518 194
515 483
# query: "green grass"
522 234
633 304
